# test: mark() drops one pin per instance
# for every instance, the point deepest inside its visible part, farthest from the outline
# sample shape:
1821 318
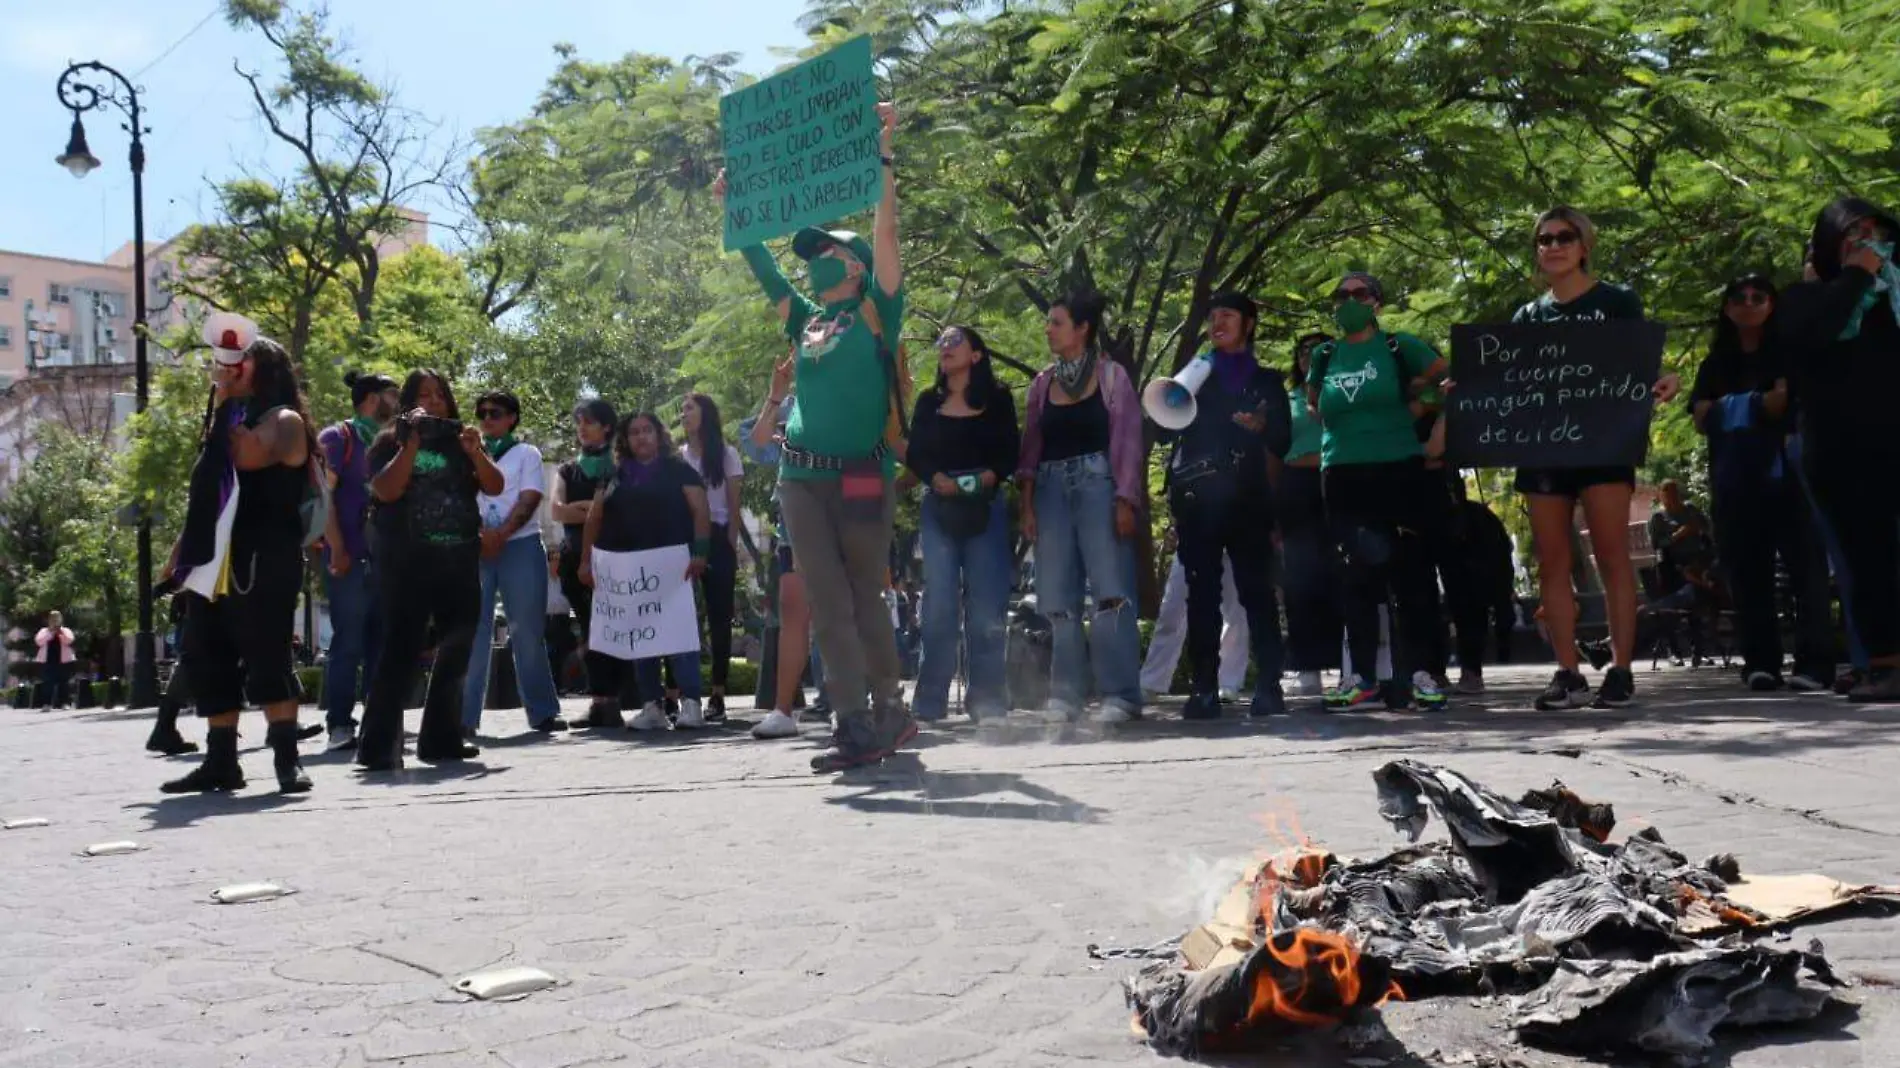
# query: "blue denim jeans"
646 674
1076 546
356 638
520 576
966 593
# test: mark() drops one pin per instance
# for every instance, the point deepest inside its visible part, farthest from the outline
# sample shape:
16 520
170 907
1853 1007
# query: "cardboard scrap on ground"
1783 899
1234 930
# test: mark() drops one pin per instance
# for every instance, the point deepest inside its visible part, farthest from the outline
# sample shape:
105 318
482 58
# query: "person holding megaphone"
1229 422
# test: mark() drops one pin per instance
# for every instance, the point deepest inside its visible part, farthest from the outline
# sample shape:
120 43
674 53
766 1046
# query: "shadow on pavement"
902 785
185 810
415 773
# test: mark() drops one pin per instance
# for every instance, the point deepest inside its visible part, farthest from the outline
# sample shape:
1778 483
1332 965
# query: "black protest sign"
1552 395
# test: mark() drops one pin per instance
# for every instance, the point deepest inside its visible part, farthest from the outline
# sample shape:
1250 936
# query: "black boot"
282 739
218 773
165 737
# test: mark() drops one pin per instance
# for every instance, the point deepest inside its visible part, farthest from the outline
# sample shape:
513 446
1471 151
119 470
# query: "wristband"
888 161
702 548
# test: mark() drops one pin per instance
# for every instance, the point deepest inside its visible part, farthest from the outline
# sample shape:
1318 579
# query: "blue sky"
464 63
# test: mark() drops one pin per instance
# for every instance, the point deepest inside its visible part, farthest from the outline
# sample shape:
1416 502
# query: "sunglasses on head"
1358 293
1750 297
1558 239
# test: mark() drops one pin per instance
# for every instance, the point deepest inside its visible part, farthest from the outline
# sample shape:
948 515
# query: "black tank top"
1071 430
269 500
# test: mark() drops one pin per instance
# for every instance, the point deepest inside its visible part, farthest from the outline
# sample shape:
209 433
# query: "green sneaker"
1427 695
1351 694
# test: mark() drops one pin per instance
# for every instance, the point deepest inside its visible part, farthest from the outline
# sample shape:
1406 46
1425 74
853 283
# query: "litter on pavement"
1626 947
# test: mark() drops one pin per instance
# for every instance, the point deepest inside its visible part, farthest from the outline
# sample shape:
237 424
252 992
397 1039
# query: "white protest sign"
643 605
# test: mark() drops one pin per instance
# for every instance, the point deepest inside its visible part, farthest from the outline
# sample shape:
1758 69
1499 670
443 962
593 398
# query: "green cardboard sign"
802 147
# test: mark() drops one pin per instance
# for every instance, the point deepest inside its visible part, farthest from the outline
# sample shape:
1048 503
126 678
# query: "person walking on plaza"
653 501
575 486
704 448
1220 472
839 456
349 587
963 448
1566 239
258 443
1380 500
515 567
53 652
1842 337
1170 632
429 472
1081 474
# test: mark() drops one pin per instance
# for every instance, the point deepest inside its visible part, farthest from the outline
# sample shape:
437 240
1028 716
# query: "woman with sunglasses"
1565 239
1379 498
963 446
1309 558
1740 402
1842 333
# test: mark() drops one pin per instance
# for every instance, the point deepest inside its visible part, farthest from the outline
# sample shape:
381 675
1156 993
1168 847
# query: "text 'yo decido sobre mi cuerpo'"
1552 395
802 147
643 604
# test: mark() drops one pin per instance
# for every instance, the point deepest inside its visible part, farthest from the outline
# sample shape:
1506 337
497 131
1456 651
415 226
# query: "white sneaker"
1306 684
1059 711
1228 695
689 717
776 724
649 718
1113 712
341 737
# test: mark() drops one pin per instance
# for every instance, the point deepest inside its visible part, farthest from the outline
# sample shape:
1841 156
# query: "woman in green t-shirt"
1378 495
1310 560
1565 238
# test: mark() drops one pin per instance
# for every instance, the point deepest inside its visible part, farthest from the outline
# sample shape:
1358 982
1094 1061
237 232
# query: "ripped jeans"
1076 547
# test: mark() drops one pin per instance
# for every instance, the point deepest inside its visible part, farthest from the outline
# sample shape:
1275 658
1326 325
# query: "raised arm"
280 439
390 483
487 476
884 246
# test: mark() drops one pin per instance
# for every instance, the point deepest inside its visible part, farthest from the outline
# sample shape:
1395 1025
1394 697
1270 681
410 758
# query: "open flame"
1315 978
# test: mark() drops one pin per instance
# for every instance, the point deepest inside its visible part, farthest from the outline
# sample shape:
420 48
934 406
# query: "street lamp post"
84 87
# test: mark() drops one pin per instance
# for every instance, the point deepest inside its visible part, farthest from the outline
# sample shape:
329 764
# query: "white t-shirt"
716 497
521 472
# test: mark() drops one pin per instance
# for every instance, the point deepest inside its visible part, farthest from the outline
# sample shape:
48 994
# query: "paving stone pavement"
709 903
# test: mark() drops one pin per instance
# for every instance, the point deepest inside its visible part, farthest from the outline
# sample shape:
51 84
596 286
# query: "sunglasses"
492 413
950 340
1558 239
1750 297
1358 293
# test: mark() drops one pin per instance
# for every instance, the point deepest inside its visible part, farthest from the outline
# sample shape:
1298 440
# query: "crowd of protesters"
1323 487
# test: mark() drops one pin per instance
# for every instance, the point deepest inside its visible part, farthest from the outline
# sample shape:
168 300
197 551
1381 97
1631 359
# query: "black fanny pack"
966 514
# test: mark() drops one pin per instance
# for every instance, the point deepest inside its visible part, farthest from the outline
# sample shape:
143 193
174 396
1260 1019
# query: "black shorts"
1570 481
238 646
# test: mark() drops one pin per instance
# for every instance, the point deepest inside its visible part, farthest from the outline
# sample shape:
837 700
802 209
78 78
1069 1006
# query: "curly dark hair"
274 385
621 452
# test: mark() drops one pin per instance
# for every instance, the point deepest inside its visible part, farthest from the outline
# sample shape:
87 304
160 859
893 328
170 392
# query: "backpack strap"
1316 371
896 372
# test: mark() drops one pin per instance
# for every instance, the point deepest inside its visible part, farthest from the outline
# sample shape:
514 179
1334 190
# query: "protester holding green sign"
835 485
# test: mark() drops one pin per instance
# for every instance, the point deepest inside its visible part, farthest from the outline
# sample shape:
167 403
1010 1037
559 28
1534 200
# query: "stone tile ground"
709 903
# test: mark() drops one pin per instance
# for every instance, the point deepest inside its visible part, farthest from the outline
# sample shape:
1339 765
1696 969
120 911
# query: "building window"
58 294
6 287
6 337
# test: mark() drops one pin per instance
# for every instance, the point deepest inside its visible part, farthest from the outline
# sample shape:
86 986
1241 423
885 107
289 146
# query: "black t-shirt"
951 444
652 514
1600 302
269 504
439 507
578 487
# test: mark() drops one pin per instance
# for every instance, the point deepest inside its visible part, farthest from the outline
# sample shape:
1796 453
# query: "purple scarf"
1234 369
635 473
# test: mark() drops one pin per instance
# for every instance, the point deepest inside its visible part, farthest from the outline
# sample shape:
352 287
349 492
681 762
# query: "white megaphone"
1170 401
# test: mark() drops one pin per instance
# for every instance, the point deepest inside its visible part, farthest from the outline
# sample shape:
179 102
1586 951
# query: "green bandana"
497 446
366 428
596 464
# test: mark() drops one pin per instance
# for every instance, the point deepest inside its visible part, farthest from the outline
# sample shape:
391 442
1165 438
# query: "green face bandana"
828 273
1352 316
497 446
366 428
